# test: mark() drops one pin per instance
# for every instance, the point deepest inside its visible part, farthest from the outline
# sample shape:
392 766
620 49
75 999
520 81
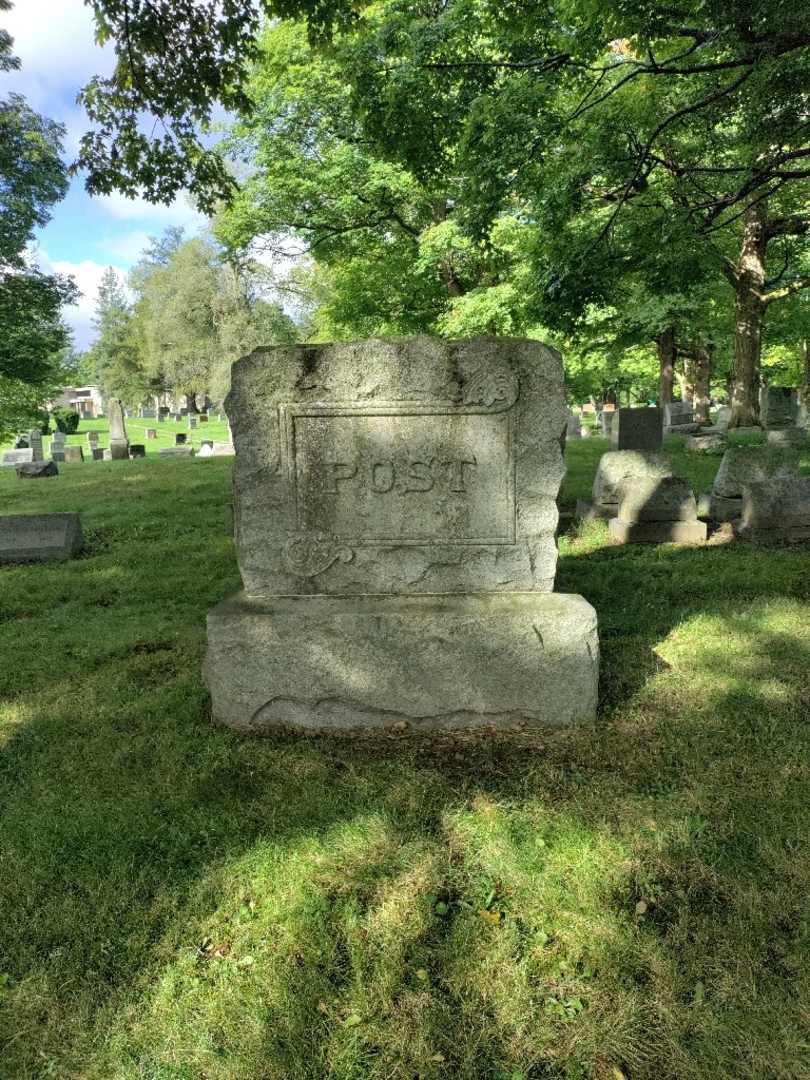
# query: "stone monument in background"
395 513
119 443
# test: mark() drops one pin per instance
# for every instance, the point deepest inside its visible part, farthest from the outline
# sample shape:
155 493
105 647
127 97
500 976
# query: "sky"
54 41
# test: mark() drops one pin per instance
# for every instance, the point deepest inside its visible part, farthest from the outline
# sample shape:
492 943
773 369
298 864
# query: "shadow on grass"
181 902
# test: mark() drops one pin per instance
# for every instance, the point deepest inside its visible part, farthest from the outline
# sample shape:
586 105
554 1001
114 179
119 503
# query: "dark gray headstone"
34 470
39 537
637 429
97 452
180 438
778 407
137 450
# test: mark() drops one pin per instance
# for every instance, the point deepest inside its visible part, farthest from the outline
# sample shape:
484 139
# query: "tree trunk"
749 315
703 375
666 359
191 403
804 391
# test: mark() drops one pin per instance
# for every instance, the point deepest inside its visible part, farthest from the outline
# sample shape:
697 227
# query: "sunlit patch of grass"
626 898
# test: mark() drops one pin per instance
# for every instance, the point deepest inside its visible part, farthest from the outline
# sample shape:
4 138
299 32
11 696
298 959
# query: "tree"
114 360
34 178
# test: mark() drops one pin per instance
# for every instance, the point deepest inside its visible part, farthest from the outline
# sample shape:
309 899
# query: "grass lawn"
623 900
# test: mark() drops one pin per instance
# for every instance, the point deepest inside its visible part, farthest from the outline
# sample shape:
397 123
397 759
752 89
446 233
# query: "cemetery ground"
625 899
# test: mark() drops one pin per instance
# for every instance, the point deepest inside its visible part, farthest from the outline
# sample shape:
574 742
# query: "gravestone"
206 450
395 513
137 450
97 452
657 511
22 443
192 422
92 437
151 433
706 441
180 438
789 436
203 418
573 428
223 449
72 455
39 537
744 465
148 414
36 470
778 407
677 414
614 468
176 451
17 457
722 417
776 511
35 442
606 421
119 444
637 429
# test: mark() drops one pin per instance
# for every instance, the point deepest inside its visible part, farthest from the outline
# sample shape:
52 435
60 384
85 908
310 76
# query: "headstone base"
119 450
339 663
658 532
794 436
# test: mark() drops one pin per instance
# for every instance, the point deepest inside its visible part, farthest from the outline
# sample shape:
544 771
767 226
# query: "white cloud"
180 212
55 41
87 274
128 247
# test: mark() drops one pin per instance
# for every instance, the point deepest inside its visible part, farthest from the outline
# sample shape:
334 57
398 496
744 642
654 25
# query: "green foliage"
114 361
66 420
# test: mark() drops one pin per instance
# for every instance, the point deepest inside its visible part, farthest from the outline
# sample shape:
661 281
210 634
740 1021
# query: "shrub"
66 420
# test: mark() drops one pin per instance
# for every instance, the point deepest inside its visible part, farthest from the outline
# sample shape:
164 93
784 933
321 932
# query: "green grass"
178 903
136 433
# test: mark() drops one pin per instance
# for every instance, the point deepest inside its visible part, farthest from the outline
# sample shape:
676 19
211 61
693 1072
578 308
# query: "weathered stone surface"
666 498
606 420
573 427
683 430
35 442
395 507
658 532
418 465
34 470
778 407
617 466
119 444
703 442
137 450
151 433
742 465
223 449
97 452
73 455
722 416
789 436
176 451
746 432
17 457
637 429
776 510
452 661
39 537
678 413
206 450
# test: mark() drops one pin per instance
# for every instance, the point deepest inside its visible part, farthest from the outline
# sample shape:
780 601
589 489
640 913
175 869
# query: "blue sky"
54 41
